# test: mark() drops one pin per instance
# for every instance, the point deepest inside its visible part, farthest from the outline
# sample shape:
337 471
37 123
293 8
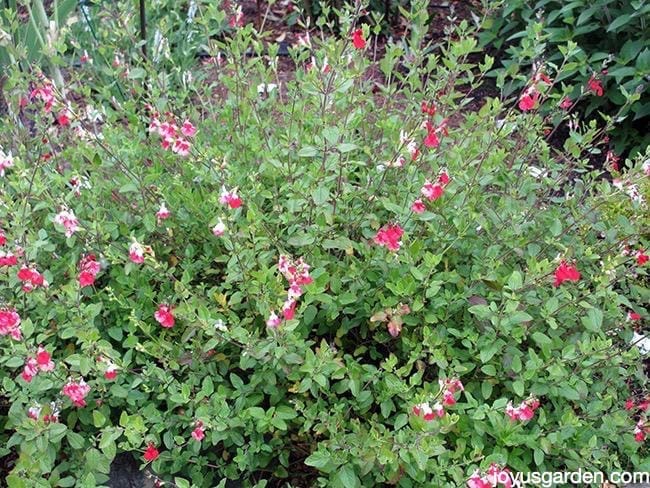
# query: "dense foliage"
355 275
612 45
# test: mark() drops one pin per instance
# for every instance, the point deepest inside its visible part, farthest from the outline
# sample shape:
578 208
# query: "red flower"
566 272
431 139
528 101
151 453
357 39
633 316
595 86
89 269
389 235
566 103
63 118
3 238
629 404
641 257
165 316
418 206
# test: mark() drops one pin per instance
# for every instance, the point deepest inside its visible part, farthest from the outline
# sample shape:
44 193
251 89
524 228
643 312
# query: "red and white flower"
10 323
230 198
219 229
162 213
199 431
67 219
524 412
76 391
165 316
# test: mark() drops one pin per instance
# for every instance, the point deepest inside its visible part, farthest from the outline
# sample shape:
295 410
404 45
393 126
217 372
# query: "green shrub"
175 322
613 44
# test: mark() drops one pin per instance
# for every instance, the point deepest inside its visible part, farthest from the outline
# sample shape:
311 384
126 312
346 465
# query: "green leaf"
319 460
320 195
593 320
619 21
518 388
347 147
307 152
300 240
346 477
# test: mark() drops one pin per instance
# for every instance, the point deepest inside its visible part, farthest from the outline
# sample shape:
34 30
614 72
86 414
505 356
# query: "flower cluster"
67 219
565 272
173 137
495 476
165 315
448 388
89 268
42 362
432 139
10 323
595 86
389 236
525 411
230 198
431 191
297 274
34 413
44 92
31 279
76 391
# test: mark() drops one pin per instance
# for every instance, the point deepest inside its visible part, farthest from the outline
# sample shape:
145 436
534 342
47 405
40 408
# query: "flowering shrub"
351 280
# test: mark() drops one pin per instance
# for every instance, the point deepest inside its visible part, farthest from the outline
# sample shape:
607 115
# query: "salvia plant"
356 274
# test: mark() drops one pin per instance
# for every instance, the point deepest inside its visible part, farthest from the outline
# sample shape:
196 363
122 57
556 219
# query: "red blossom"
418 206
357 39
389 235
151 453
566 272
595 86
165 316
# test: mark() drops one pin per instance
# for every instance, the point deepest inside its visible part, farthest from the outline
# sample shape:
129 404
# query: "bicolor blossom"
641 257
434 190
10 323
31 279
165 316
136 252
8 259
495 476
418 206
89 268
219 229
6 161
230 198
427 412
67 219
524 412
199 431
162 213
188 129
76 391
42 362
